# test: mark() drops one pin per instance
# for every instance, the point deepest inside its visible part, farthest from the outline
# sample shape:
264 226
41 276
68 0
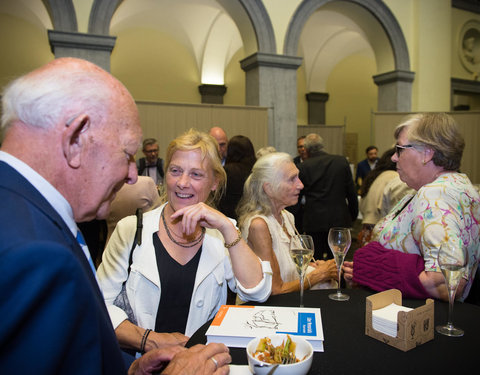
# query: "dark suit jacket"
363 168
142 165
328 187
53 316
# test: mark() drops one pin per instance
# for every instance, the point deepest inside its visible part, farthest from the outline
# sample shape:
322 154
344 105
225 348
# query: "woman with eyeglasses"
445 207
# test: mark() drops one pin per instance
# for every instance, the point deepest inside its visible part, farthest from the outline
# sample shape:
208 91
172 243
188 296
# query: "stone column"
212 94
394 91
271 81
94 48
316 107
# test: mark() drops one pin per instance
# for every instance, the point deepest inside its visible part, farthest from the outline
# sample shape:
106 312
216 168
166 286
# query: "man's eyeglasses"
401 148
151 151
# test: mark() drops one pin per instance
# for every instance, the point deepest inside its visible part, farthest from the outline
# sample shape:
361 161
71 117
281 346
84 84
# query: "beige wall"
235 81
165 121
155 67
24 47
353 95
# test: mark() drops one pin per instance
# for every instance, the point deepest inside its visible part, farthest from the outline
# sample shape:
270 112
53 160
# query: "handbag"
121 300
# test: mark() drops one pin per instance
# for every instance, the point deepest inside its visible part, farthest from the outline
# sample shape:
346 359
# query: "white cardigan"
143 285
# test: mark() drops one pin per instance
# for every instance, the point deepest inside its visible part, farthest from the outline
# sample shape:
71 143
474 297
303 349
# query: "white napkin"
384 320
240 370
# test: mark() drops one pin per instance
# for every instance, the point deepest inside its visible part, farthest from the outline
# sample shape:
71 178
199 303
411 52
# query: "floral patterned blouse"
447 209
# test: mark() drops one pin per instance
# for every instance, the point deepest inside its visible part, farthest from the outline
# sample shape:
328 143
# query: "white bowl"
303 348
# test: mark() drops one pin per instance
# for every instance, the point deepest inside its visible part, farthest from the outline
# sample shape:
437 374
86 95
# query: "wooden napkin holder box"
414 328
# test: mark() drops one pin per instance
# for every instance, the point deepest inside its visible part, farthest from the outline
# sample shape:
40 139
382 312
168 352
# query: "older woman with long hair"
267 226
189 254
445 208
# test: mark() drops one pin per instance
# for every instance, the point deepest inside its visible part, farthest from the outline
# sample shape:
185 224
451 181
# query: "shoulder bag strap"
137 240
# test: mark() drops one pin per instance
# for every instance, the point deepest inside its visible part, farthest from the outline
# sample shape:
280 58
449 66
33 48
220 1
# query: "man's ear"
73 139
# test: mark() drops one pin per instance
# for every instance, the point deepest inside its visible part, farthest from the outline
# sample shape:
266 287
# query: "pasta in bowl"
292 354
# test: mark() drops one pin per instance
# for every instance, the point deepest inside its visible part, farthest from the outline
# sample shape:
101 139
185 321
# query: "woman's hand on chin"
203 215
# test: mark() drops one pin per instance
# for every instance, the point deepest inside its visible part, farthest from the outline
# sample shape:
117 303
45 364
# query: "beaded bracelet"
144 340
237 240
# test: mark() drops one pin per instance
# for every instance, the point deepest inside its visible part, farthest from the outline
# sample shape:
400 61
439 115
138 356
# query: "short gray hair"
438 131
43 99
313 143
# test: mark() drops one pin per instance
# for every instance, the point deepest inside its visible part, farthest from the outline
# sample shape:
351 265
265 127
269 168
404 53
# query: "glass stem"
301 288
339 291
451 301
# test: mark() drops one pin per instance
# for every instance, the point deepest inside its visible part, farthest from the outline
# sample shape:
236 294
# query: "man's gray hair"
43 99
313 143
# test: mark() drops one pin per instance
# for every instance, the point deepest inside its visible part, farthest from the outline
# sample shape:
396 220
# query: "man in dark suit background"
302 153
71 131
151 165
297 210
366 165
331 200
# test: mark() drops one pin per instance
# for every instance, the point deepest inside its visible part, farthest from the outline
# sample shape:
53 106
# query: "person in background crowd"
302 153
445 208
264 151
366 165
190 254
298 209
222 140
151 165
330 197
376 199
142 194
268 227
239 163
71 131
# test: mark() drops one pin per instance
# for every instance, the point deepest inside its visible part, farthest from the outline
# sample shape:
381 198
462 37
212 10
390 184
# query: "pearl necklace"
186 245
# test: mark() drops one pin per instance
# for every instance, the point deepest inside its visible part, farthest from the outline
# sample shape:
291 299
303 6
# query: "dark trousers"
320 241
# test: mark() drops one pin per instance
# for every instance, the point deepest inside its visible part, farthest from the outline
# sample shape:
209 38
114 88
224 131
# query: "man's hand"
196 360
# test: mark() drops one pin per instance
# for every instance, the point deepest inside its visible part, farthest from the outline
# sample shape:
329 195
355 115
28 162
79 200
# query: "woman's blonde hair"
197 140
438 131
267 169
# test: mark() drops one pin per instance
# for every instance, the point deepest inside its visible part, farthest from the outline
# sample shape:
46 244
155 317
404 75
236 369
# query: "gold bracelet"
237 240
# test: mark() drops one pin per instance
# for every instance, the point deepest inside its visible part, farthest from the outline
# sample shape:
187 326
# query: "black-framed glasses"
400 148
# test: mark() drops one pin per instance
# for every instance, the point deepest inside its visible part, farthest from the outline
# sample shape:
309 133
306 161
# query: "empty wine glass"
452 261
339 240
301 251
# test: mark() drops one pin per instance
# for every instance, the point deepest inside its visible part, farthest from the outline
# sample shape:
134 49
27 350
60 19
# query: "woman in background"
268 227
238 165
376 200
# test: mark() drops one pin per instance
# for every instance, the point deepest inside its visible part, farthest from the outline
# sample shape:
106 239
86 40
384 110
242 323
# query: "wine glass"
452 261
301 251
339 240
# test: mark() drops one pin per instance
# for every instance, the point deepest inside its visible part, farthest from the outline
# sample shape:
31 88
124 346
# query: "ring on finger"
215 362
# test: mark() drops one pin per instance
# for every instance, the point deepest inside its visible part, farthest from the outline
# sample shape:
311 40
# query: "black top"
237 174
177 287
